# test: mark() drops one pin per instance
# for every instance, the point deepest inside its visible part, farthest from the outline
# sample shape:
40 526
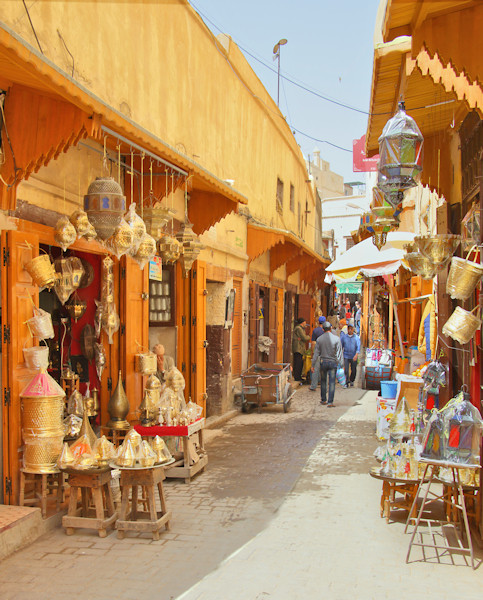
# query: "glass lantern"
470 228
191 246
400 151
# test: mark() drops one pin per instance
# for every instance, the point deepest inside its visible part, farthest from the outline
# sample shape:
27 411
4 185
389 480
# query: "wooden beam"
205 209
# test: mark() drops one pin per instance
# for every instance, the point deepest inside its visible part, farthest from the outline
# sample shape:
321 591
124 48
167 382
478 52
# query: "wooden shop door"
280 325
253 296
134 313
273 323
18 248
236 332
287 327
198 334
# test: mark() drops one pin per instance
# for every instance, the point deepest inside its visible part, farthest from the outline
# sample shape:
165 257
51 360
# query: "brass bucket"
42 452
146 363
462 325
41 270
42 415
464 275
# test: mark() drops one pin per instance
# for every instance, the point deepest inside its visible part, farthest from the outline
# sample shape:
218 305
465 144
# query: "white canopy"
365 258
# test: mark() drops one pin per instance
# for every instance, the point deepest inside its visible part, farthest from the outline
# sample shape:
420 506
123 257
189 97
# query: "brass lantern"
76 307
400 151
169 249
191 246
104 204
155 216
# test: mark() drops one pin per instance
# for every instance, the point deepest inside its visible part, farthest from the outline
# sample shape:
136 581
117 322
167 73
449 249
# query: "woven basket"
463 277
40 324
462 325
36 357
41 270
41 453
42 415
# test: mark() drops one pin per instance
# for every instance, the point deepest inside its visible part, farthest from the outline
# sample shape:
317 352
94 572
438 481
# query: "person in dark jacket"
299 345
328 351
315 373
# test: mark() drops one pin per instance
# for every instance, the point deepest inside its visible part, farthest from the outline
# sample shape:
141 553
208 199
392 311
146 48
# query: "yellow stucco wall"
161 66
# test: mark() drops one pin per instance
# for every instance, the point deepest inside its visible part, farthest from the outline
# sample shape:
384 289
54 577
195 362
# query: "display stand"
43 483
440 532
391 486
150 480
192 459
91 484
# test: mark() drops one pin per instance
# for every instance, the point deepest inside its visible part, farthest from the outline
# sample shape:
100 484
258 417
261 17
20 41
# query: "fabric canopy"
365 258
349 287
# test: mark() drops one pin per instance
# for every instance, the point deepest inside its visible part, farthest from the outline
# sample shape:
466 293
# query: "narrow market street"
285 509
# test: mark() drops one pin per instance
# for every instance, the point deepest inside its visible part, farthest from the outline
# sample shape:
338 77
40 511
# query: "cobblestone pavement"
254 462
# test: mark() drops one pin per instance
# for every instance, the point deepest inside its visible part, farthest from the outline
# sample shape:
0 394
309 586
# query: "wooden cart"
266 383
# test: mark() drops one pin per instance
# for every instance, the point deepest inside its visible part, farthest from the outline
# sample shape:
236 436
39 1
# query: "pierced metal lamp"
400 151
191 246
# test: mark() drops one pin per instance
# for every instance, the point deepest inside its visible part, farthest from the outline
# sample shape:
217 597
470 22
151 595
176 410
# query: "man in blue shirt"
351 346
315 375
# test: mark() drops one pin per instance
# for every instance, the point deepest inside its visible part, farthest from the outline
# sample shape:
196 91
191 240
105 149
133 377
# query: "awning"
349 287
366 259
41 93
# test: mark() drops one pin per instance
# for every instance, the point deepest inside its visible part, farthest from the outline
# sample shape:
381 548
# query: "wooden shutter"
280 325
253 323
236 333
135 328
305 307
18 248
198 334
287 327
273 323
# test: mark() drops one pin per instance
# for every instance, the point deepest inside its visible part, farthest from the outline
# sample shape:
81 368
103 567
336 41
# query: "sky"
329 50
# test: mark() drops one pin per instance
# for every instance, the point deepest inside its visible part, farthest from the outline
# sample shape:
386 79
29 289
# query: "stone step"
19 526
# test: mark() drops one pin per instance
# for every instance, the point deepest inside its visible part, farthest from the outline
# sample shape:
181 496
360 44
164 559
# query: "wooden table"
193 458
407 488
150 480
91 484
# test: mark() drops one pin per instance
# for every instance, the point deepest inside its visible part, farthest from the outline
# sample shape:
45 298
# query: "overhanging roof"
402 17
22 66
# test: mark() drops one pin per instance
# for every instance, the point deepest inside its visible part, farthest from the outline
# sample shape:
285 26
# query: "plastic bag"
341 376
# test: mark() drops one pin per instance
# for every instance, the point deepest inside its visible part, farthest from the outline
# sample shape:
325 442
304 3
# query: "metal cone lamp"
400 151
191 246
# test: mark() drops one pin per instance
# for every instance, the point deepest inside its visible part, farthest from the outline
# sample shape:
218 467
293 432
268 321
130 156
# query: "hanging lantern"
400 151
377 227
91 233
121 240
155 215
104 204
437 248
146 251
137 225
77 270
64 233
470 228
169 249
80 221
191 246
380 207
100 359
64 285
76 307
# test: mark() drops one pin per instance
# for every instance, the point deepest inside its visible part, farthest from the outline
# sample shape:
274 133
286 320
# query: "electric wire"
32 26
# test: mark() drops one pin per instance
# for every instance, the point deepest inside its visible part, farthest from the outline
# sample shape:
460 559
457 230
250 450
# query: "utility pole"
276 55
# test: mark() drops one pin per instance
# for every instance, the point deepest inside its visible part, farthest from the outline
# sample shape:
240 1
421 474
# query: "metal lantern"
76 307
191 246
80 221
104 204
64 233
381 208
378 227
438 248
169 249
470 228
155 216
400 151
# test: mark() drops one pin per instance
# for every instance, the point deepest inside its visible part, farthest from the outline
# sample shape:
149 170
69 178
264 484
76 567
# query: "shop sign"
156 269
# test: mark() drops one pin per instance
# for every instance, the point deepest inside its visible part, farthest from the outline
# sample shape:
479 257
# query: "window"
162 299
349 242
279 195
292 198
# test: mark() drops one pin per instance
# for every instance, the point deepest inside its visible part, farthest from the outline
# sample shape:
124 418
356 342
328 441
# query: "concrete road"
285 510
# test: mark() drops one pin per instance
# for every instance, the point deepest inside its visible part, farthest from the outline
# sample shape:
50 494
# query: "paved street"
285 510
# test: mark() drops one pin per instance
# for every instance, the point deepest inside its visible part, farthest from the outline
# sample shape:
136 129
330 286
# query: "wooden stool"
43 483
150 480
95 485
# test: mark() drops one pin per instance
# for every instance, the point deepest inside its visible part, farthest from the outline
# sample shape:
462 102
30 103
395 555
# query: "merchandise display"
138 453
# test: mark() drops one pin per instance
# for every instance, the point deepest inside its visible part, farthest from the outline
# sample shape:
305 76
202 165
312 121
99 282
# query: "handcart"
266 383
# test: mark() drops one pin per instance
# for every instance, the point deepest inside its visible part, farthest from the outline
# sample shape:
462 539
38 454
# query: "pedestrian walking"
299 344
342 310
333 319
358 317
328 352
315 372
351 346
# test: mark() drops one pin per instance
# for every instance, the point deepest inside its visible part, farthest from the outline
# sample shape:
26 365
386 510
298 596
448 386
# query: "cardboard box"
408 387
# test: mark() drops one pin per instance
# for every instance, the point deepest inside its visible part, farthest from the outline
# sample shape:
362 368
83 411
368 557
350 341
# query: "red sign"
359 159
